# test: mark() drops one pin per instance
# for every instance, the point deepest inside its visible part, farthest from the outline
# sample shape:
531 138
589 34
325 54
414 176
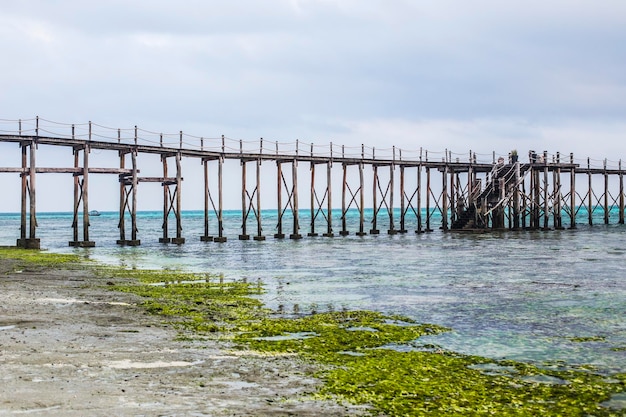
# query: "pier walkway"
467 192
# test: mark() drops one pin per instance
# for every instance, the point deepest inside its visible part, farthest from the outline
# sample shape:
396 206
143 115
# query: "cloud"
457 75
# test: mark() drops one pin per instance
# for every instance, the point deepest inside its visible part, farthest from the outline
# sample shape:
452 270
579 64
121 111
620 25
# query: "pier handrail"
92 131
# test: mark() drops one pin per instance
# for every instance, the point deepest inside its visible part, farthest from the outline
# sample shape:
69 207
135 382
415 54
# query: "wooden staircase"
498 192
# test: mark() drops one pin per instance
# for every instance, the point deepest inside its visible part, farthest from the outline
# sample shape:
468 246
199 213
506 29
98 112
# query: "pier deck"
470 193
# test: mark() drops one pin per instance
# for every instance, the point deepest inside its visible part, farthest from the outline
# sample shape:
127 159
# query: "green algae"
363 369
359 363
583 339
36 258
358 351
195 304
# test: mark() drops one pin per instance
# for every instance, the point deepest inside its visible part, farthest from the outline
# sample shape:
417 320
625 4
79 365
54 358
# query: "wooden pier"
468 193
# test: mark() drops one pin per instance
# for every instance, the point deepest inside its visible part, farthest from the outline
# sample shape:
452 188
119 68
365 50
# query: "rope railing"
39 126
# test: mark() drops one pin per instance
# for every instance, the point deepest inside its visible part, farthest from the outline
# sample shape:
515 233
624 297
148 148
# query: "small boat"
94 213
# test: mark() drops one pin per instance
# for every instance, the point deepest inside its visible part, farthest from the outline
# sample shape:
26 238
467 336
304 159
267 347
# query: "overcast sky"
462 75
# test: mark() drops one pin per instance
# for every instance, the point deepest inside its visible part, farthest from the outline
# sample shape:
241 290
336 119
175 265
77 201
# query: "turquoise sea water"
547 297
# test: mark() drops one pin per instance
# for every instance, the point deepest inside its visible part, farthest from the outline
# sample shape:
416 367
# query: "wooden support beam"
572 191
344 207
329 208
220 212
86 240
607 205
428 192
133 215
361 231
589 194
453 195
546 202
374 230
392 227
279 175
444 198
244 207
23 223
419 200
312 201
294 195
81 195
621 194
128 200
166 203
179 239
402 202
516 197
259 226
206 237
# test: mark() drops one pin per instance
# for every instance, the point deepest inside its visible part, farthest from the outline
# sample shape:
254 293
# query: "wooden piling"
24 177
259 227
556 193
419 199
86 241
206 237
77 188
374 230
428 192
123 198
607 206
516 197
344 185
402 202
28 194
33 200
546 203
81 194
329 207
454 195
589 194
279 176
444 198
312 201
621 193
166 203
179 239
361 231
392 226
220 238
244 209
572 185
133 214
294 196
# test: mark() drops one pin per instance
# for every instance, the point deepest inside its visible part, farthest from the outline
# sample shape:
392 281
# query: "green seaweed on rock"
356 351
359 364
363 369
37 258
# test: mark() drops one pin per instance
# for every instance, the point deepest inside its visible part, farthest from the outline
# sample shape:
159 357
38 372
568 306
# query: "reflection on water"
557 296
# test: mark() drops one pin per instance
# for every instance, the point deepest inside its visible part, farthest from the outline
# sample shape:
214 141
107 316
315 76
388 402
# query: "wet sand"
70 347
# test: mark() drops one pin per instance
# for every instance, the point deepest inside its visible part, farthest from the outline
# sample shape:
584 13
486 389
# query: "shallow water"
556 297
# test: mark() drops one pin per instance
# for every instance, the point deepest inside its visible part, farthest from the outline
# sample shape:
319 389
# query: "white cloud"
475 75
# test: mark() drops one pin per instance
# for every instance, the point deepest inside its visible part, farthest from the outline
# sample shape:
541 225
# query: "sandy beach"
70 347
